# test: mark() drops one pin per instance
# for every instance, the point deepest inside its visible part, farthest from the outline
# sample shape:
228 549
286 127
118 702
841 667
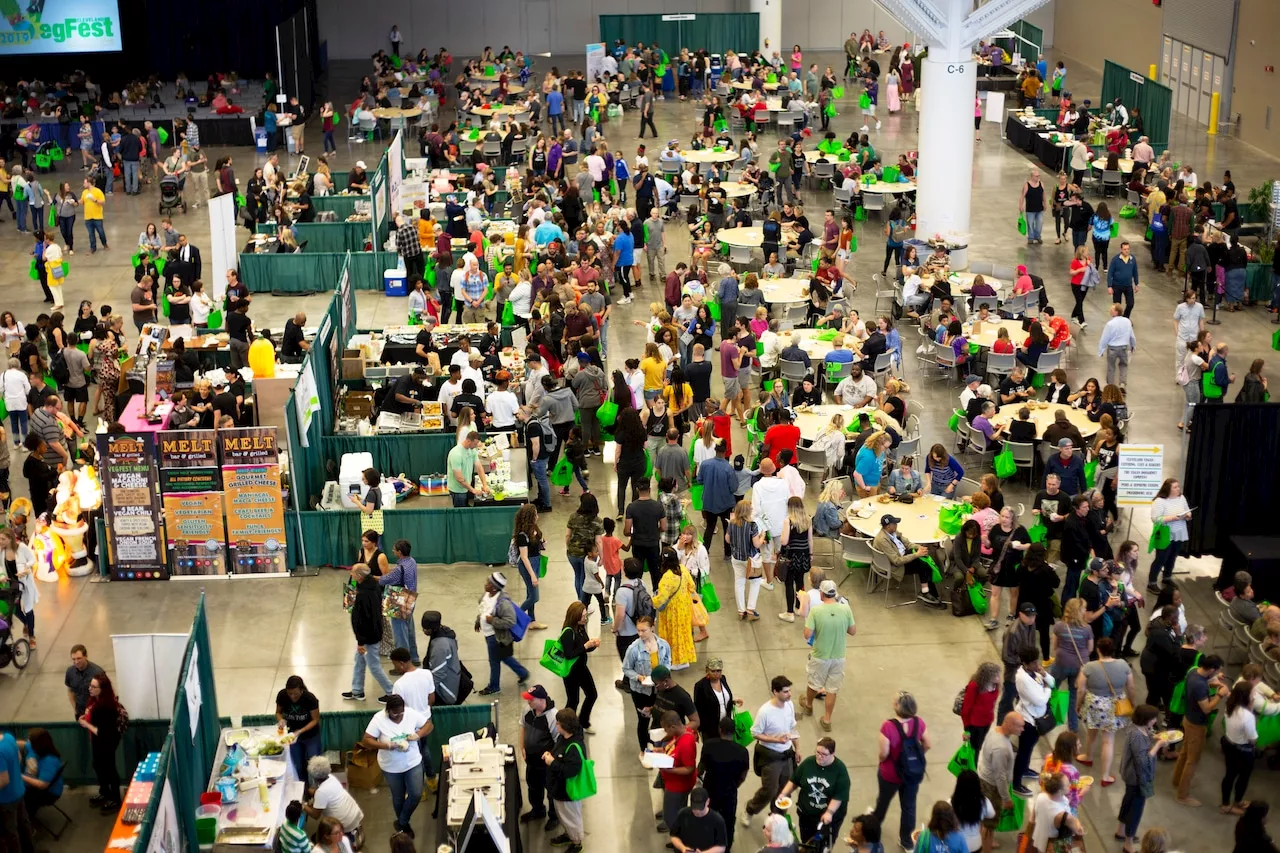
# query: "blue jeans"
579 112
539 469
906 792
96 232
1131 809
406 791
530 588
329 144
556 118
579 565
302 751
21 215
130 169
1163 562
369 660
405 637
19 422
1035 222
459 498
495 664
1059 673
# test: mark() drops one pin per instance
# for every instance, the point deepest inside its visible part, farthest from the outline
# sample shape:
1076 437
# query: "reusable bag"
742 723
1059 700
710 600
607 414
562 474
553 658
978 598
1011 818
1160 538
950 518
1037 532
584 784
695 497
937 573
954 423
864 101
508 313
1005 465
963 760
1090 470
1022 225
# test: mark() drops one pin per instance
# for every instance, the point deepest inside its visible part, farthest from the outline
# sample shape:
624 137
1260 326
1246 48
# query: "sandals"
1087 762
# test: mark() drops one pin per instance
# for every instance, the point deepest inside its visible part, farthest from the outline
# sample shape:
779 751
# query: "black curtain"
1233 474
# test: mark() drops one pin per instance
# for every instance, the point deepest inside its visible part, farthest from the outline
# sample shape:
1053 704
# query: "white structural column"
948 86
770 12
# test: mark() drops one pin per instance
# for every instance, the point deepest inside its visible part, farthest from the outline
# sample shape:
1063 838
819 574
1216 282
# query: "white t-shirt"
794 480
448 391
503 406
416 687
382 728
487 604
461 358
336 802
973 832
774 721
1046 809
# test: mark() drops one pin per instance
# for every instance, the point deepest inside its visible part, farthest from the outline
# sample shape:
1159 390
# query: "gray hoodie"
558 405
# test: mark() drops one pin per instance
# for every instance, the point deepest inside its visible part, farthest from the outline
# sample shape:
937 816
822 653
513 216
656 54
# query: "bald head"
1012 724
300 319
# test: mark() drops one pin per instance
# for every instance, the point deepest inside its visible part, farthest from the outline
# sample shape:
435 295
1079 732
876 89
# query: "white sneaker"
746 820
877 124
787 617
767 586
864 129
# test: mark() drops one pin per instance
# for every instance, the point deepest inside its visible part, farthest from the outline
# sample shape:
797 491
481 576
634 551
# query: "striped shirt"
740 545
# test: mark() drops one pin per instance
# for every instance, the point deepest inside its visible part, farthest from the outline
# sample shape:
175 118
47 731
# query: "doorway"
538 26
1194 75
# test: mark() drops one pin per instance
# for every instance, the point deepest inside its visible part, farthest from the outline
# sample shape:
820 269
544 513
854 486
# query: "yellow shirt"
4 180
686 397
655 372
93 200
426 233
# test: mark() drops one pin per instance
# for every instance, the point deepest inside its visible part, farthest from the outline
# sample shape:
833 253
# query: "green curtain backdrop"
446 535
313 272
343 205
1155 101
326 236
716 32
141 738
410 454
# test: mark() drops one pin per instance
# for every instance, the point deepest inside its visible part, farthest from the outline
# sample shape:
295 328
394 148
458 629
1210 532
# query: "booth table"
133 416
1042 417
784 290
1033 136
813 420
709 155
919 520
987 337
247 813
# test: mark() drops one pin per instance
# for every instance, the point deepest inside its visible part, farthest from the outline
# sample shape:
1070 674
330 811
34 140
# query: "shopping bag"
864 101
742 723
830 111
584 784
542 566
1115 229
1059 701
1011 818
1160 538
553 659
508 313
1037 532
163 135
1004 463
1022 225
53 217
32 272
837 92
562 474
709 598
853 243
954 423
720 125
1090 471
607 414
978 598
937 573
648 465
1268 731
951 518
963 760
699 615
695 497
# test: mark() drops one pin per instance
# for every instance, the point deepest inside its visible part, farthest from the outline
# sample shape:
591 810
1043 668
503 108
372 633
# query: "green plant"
1260 201
1264 251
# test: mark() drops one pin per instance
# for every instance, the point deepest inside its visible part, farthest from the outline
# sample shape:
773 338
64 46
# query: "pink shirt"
889 767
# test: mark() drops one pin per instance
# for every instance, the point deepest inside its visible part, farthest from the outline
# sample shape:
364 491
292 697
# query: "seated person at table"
1062 428
408 392
941 315
1056 390
876 344
1015 388
806 394
984 315
840 354
956 340
793 352
357 179
982 423
773 269
1034 346
42 767
905 480
182 416
1023 429
1138 182
903 554
858 389
1060 328
914 297
1003 344
1022 285
974 407
981 288
939 262
905 167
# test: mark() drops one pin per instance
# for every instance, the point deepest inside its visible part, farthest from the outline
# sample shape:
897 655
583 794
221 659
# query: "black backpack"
910 763
642 603
59 370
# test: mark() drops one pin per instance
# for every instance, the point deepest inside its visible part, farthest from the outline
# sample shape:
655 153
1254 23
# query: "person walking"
995 769
366 624
645 106
417 686
638 665
564 761
1122 278
825 628
403 575
1034 686
1138 771
528 544
577 645
394 732
105 720
774 731
495 618
1104 681
821 783
443 661
744 538
1117 341
699 828
1188 323
978 708
904 740
723 767
538 735
1031 204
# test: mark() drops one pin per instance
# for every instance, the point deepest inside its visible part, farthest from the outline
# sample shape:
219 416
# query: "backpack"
642 603
59 370
910 762
548 435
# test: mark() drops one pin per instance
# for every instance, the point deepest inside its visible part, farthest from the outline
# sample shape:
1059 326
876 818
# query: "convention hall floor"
266 630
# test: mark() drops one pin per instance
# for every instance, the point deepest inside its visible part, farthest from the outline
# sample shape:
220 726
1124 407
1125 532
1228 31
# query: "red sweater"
979 708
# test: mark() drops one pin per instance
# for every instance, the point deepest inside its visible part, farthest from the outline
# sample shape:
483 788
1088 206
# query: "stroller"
17 651
171 195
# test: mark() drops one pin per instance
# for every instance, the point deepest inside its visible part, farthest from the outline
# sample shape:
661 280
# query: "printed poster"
253 500
131 506
191 486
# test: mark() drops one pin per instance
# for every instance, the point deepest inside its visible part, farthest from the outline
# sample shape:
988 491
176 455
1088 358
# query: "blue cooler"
260 140
394 282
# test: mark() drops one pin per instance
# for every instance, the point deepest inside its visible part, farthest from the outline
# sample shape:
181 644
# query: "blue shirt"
624 249
728 290
405 574
840 356
1118 332
1070 472
1121 273
555 103
47 768
718 483
11 763
869 465
546 232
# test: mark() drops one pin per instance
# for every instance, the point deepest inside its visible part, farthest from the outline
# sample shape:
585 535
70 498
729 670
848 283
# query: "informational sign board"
1141 473
72 26
254 500
191 489
131 506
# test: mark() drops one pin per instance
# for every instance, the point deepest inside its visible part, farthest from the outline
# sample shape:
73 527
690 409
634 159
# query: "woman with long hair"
629 457
1104 681
64 206
19 565
745 538
978 709
942 833
1138 771
577 645
1238 747
1060 760
971 809
796 545
42 767
1070 645
104 718
529 544
108 371
1006 561
679 398
1251 832
673 599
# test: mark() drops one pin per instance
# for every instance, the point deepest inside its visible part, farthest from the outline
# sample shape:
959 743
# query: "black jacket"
1160 654
366 615
708 707
569 753
195 261
1076 541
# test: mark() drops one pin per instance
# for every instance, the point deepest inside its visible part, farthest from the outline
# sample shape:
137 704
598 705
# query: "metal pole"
293 491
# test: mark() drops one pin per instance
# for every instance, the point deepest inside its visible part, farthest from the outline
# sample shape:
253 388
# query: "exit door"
1194 75
538 26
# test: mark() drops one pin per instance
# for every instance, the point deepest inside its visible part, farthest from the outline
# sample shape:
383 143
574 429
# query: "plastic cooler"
351 472
260 140
394 282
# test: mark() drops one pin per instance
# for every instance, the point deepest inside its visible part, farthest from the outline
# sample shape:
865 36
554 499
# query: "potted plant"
1260 202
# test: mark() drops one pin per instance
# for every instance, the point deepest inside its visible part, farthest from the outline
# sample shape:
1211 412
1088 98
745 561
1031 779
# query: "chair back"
873 201
843 196
811 461
825 169
965 486
856 549
1023 452
837 370
792 371
908 447
1001 364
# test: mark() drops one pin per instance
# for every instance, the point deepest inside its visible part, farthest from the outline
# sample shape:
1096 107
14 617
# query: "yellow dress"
674 601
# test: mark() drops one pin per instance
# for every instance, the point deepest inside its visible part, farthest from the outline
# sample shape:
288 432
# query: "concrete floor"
263 631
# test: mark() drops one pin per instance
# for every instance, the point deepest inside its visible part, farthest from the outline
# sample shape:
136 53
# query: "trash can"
260 140
394 282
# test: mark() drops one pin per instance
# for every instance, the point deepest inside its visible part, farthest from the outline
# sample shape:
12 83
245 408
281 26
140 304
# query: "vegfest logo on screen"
60 26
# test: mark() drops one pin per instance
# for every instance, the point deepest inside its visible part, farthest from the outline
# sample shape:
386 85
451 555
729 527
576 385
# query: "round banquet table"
737 189
816 418
806 339
962 282
784 290
751 236
1042 417
747 85
813 155
882 188
919 520
487 112
491 85
396 112
709 155
1099 164
987 337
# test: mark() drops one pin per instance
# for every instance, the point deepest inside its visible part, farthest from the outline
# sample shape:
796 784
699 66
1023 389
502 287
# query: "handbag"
583 785
1123 707
899 233
399 603
699 615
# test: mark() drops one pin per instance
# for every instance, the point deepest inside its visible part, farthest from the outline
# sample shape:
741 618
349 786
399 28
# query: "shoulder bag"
583 785
1123 707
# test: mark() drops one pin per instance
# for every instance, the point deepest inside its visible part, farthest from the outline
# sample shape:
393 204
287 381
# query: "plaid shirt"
474 286
674 513
407 242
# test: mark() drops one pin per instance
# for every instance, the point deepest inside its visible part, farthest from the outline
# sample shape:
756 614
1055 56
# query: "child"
593 583
575 450
672 509
610 548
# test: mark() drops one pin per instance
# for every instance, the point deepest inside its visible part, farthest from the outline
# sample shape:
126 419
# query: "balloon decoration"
262 359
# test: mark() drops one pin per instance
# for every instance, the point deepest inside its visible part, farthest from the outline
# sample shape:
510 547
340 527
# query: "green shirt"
829 623
463 461
817 786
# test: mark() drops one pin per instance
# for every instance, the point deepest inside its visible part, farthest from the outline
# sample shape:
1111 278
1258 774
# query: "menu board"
253 500
191 485
131 506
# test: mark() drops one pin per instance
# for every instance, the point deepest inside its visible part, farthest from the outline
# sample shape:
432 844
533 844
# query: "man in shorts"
77 390
825 628
729 358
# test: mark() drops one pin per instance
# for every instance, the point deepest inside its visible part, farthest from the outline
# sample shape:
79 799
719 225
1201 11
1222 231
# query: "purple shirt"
982 425
830 235
729 359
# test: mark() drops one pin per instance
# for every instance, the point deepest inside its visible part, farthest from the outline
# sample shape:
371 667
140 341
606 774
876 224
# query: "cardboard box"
357 404
353 368
362 769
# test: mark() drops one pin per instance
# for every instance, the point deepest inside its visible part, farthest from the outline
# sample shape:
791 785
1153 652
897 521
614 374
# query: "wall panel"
1130 37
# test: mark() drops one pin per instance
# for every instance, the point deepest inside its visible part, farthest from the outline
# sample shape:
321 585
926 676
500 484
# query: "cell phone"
353 489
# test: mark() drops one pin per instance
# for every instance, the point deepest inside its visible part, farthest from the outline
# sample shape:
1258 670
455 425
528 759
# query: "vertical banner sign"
254 502
595 60
306 399
395 170
378 200
222 243
346 306
191 493
131 506
1141 474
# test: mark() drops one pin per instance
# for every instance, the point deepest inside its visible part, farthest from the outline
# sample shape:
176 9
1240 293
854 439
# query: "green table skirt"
1258 282
445 535
313 271
343 205
410 454
326 236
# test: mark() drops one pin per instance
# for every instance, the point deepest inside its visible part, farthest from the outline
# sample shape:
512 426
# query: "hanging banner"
595 60
166 832
131 506
346 305
306 399
378 200
191 488
395 170
254 500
